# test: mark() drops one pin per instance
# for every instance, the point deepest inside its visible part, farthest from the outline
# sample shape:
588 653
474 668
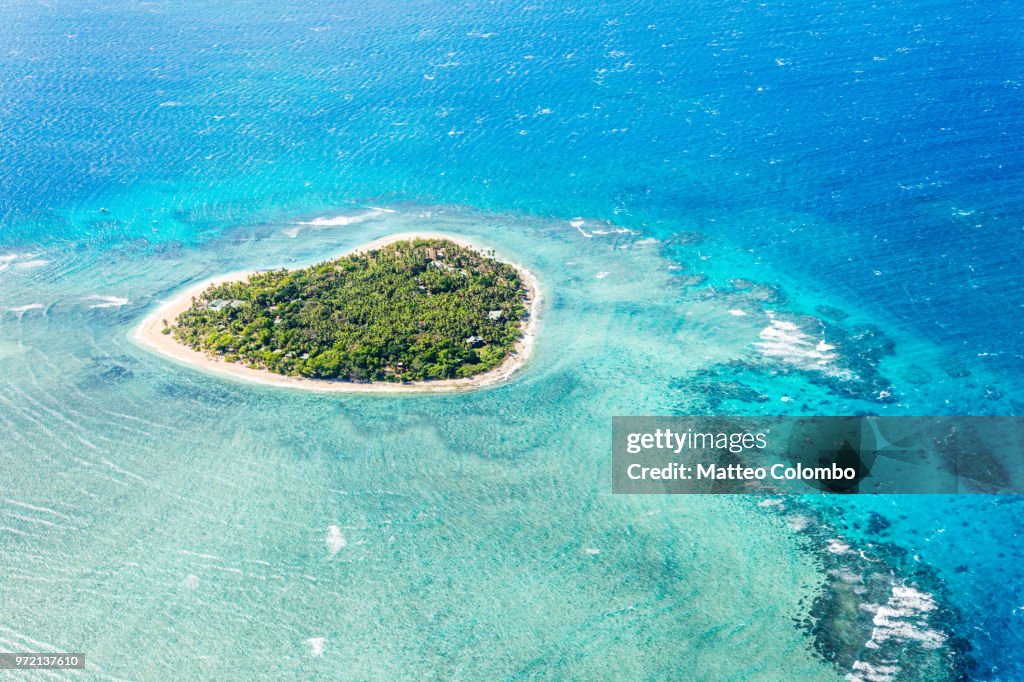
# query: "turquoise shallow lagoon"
772 209
224 528
469 535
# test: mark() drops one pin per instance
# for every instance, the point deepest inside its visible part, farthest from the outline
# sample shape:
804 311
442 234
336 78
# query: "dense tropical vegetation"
411 310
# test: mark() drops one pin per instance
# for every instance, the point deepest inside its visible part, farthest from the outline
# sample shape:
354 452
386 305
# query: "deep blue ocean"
865 157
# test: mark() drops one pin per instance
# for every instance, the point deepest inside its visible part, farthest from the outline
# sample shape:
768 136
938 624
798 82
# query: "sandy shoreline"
149 335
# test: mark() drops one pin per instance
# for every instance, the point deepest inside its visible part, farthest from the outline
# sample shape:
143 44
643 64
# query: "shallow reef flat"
435 506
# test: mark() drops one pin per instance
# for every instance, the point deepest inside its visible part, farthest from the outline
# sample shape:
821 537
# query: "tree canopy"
412 310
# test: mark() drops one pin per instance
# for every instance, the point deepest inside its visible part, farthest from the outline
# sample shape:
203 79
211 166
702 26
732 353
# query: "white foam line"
395 493
99 410
22 309
226 569
32 519
94 419
107 301
121 415
53 439
30 264
578 224
115 481
56 415
11 430
342 220
87 493
124 472
211 557
33 577
112 423
21 637
63 411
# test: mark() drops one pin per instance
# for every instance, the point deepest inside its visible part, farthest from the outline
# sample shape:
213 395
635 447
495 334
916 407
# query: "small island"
419 312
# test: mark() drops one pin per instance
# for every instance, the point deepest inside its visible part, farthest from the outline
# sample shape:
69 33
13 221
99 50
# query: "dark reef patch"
714 393
684 239
690 280
983 468
831 312
880 615
877 523
106 371
195 390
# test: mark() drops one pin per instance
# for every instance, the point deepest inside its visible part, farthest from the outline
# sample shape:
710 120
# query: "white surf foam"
866 672
578 224
904 618
29 264
6 259
35 508
22 309
107 301
342 220
335 540
24 261
316 646
786 342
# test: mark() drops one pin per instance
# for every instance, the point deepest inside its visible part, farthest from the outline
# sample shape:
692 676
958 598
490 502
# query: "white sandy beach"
149 335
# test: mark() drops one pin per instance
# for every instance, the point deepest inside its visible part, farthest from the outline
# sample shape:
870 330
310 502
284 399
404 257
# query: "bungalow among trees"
412 310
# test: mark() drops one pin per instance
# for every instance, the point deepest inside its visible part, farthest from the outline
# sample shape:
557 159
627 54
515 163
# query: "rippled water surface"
777 208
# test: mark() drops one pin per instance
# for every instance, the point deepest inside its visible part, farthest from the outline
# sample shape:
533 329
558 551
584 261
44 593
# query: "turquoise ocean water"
778 208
